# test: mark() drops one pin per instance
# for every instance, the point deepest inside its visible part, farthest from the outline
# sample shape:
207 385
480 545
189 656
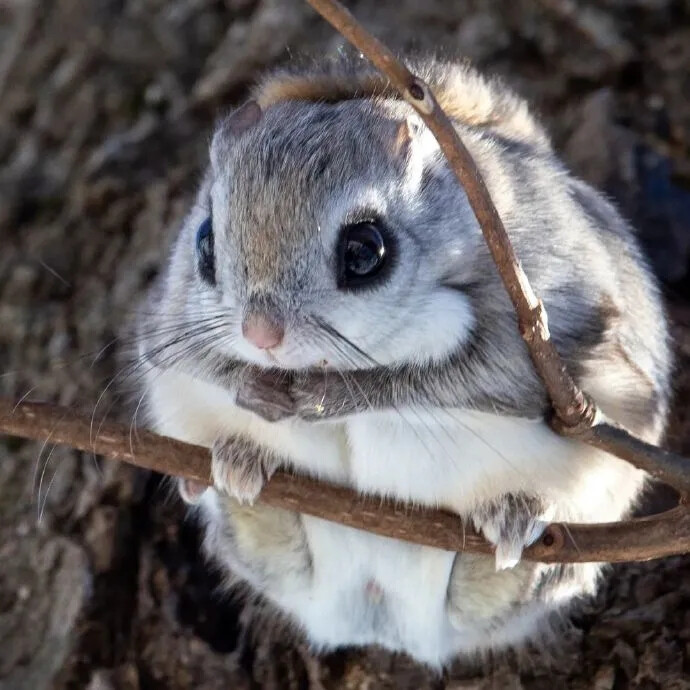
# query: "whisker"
337 334
23 398
38 460
343 344
570 534
145 357
133 423
53 272
337 340
40 454
129 369
351 393
122 341
50 484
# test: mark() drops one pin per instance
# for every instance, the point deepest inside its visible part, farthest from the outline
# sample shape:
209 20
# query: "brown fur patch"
402 139
336 88
320 88
634 401
609 312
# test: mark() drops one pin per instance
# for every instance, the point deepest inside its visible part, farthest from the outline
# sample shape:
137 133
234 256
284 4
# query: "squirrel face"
333 234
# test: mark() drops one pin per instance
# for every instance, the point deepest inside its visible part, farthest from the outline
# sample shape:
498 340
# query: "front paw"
240 468
320 395
511 523
190 491
267 394
309 399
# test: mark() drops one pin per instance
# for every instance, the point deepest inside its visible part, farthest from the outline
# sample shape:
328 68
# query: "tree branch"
576 414
568 400
653 537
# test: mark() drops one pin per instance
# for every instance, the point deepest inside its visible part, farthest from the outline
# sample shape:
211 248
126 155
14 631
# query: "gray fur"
278 190
240 467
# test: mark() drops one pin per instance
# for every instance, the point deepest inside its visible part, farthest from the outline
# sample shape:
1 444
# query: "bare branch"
662 535
576 414
568 401
669 468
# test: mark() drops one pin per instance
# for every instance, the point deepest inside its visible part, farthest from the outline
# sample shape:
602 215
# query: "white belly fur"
455 459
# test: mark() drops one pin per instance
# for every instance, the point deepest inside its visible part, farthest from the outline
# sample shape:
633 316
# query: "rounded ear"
401 138
404 131
237 122
243 118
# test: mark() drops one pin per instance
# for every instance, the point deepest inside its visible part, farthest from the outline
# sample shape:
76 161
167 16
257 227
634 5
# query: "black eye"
204 252
363 254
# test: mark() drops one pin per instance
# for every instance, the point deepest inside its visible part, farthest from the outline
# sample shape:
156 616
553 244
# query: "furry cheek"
431 329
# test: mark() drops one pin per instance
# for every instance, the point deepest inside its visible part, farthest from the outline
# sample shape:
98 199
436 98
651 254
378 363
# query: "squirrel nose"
262 331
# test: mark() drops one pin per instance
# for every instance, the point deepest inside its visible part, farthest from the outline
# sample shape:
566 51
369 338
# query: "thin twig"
567 398
576 414
653 537
642 539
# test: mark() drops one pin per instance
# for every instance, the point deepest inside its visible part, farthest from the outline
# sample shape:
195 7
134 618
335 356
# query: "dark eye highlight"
204 252
364 253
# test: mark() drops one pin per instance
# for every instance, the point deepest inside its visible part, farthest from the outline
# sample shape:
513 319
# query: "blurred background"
105 114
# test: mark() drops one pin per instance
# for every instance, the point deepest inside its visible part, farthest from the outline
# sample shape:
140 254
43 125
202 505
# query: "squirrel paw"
190 491
267 395
320 395
240 468
511 524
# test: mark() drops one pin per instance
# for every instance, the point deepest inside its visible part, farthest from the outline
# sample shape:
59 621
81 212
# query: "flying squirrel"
332 266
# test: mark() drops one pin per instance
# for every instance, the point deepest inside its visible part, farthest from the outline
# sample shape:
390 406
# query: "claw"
508 555
510 525
236 471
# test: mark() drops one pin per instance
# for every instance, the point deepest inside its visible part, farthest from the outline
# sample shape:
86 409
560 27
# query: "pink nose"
262 331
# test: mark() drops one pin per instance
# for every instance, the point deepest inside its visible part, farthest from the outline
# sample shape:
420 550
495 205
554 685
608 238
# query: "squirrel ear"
243 118
233 125
404 131
402 137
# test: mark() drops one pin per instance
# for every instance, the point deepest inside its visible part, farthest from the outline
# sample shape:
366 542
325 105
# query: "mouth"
274 358
271 357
